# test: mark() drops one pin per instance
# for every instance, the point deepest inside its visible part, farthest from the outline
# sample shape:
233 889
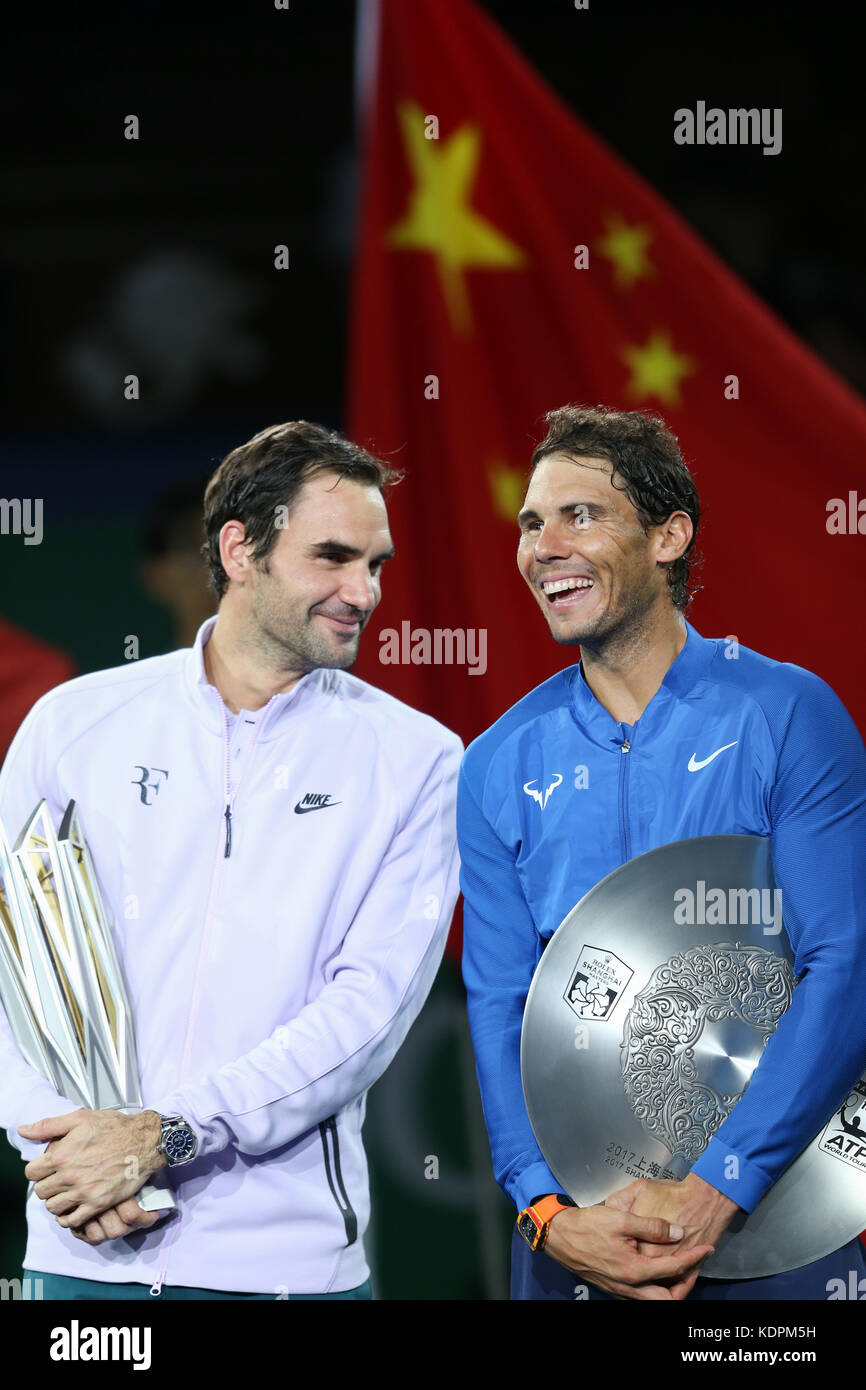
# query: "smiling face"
592 569
309 600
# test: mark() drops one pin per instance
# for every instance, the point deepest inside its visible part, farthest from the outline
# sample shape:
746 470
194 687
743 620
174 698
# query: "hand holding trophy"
60 980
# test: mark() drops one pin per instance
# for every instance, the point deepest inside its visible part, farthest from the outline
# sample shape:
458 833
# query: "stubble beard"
289 640
609 632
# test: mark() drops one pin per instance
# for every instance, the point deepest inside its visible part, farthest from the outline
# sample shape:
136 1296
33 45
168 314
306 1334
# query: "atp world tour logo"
845 1135
596 983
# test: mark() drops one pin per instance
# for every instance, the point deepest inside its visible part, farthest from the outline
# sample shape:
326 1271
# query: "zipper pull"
228 815
625 746
156 1287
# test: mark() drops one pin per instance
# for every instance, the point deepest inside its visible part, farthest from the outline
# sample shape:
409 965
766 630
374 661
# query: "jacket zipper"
625 749
228 811
335 1179
230 794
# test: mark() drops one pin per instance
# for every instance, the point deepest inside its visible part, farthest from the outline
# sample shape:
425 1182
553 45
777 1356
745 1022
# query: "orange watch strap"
548 1207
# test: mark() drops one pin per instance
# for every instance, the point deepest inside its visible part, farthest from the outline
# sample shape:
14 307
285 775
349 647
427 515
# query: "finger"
112 1225
79 1216
653 1292
91 1233
670 1266
61 1202
683 1287
49 1187
145 1220
52 1128
38 1169
654 1252
129 1211
652 1229
620 1201
624 1198
656 1292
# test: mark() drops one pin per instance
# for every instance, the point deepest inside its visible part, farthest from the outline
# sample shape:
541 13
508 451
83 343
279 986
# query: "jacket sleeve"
318 1062
25 778
818 844
500 946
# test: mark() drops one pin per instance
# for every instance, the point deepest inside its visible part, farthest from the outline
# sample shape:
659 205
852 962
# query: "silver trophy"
60 981
646 1016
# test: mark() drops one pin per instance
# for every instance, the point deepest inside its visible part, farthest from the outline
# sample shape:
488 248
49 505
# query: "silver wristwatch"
177 1140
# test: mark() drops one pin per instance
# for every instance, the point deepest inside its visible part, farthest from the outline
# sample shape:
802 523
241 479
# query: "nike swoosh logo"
302 810
695 766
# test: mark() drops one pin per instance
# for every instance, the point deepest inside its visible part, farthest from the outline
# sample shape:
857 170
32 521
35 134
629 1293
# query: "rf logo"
145 785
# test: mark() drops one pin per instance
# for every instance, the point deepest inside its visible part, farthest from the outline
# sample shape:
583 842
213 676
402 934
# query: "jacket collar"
684 672
211 708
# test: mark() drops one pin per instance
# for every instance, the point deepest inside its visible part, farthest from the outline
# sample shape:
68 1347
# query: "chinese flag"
507 263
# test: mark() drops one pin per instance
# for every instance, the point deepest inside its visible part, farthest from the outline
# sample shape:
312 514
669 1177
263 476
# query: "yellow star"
657 369
508 488
626 247
439 218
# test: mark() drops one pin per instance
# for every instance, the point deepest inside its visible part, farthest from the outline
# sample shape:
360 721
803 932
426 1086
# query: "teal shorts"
64 1286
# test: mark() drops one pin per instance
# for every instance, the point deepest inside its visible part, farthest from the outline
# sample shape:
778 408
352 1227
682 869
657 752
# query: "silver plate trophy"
60 982
646 1016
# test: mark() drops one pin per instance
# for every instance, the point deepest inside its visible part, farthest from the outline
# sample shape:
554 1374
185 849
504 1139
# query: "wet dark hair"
647 462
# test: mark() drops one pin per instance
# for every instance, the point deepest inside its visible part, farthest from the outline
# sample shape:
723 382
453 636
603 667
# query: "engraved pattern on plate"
663 1079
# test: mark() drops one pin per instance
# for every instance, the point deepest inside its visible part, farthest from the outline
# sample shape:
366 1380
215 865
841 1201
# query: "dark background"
156 257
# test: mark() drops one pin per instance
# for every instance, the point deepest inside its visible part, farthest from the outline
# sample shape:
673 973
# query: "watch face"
528 1228
179 1144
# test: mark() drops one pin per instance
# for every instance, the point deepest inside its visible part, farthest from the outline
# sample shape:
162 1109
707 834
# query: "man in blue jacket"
657 735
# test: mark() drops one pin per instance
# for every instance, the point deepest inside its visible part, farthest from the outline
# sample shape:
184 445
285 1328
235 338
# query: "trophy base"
151 1198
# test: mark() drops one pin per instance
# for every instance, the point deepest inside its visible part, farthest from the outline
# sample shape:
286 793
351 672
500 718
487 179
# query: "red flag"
508 262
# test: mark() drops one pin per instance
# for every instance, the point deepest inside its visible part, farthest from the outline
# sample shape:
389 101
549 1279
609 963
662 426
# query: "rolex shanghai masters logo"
597 981
845 1134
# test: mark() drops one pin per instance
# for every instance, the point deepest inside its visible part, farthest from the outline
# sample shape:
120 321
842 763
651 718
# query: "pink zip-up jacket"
280 885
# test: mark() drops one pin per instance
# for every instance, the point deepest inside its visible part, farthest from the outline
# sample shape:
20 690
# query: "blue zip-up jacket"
793 767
